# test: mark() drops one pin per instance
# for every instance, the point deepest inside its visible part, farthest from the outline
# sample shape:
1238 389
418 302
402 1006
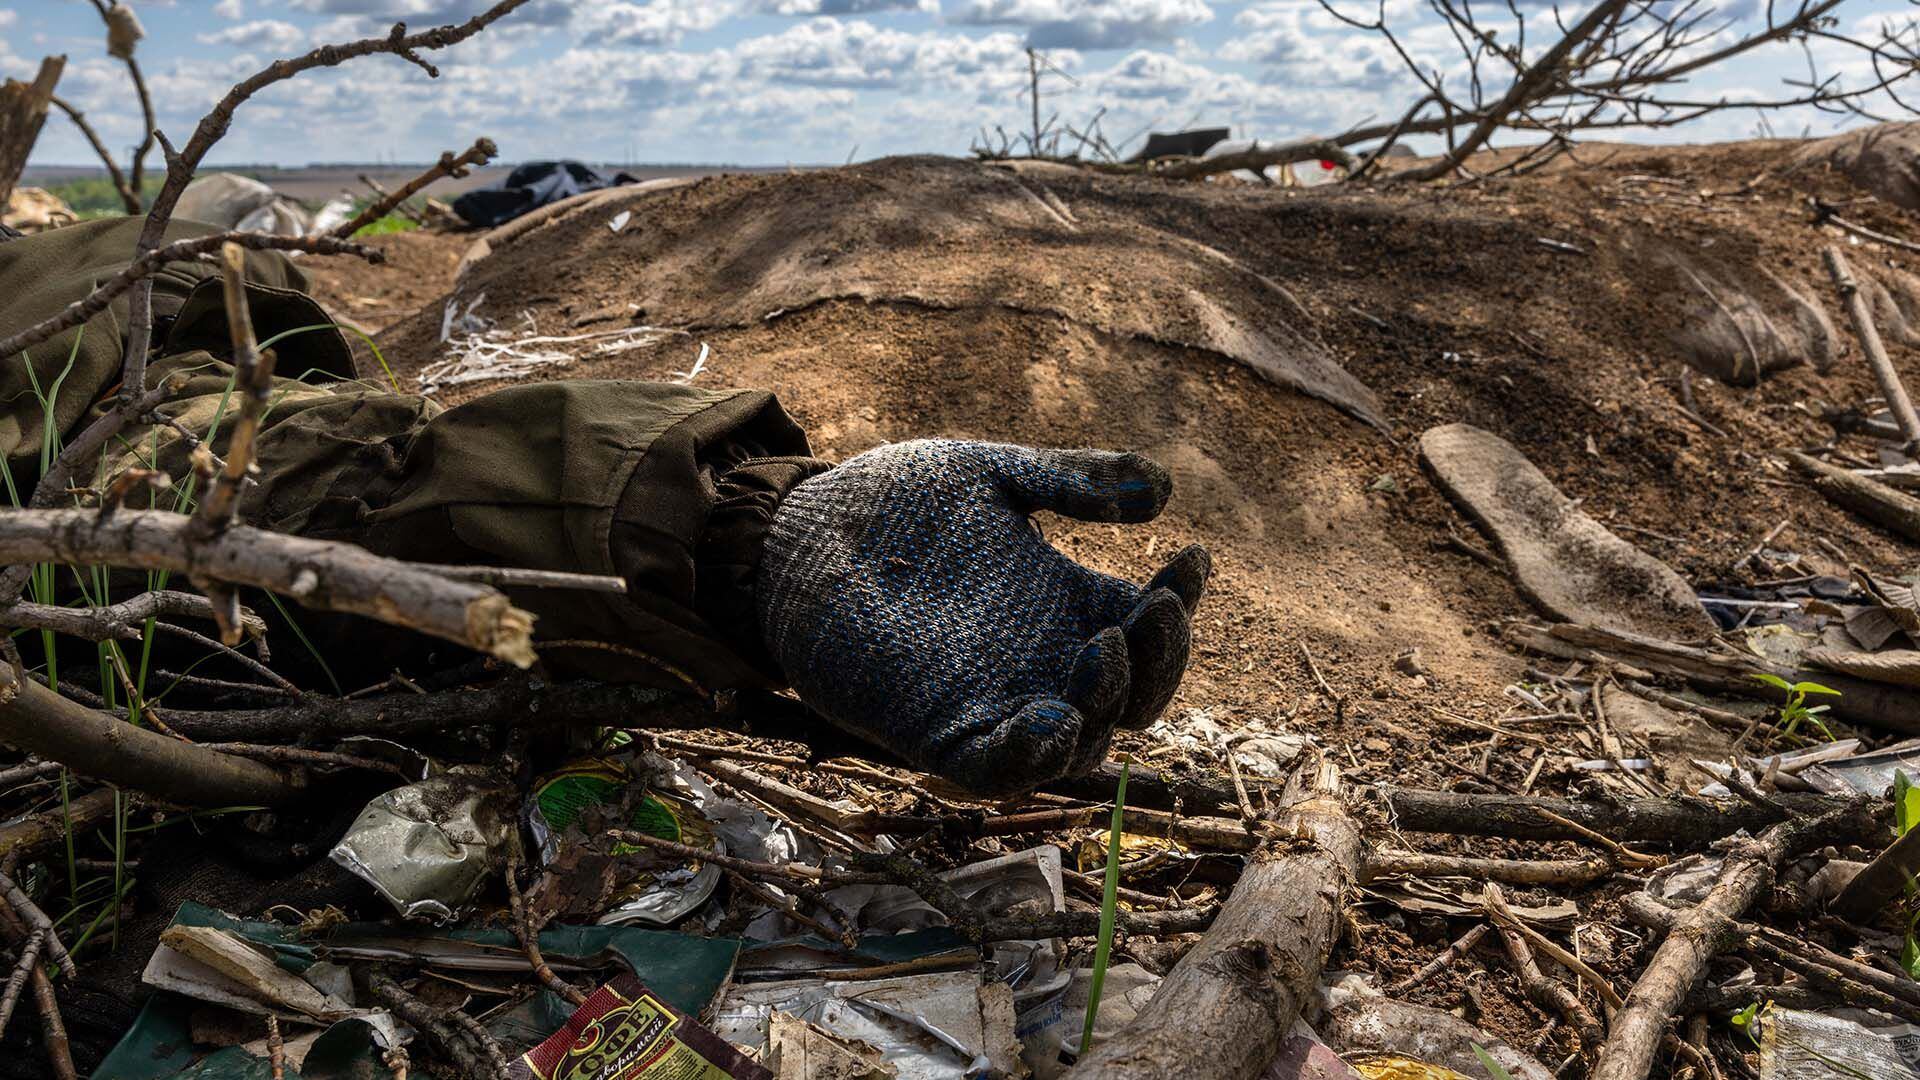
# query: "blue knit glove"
908 598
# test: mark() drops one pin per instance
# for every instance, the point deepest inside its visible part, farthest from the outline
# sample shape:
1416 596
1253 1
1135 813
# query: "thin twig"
529 935
36 919
482 151
22 969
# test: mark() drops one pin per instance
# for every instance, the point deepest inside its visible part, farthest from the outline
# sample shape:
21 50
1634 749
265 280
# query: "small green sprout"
1796 711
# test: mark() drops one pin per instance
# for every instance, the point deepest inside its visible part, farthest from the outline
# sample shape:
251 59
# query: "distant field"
318 183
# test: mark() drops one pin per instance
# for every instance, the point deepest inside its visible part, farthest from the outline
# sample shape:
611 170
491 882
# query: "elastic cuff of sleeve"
727 558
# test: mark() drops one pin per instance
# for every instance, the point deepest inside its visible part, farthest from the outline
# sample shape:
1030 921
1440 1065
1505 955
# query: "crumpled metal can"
654 803
428 847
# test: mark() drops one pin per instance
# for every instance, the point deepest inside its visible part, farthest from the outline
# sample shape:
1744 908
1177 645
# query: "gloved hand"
908 598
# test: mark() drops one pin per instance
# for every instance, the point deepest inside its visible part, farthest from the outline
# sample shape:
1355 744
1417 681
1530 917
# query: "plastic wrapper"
1796 1045
945 1026
623 1031
1050 1030
428 847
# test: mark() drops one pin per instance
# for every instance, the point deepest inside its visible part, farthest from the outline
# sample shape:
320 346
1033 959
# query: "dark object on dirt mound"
1192 143
530 187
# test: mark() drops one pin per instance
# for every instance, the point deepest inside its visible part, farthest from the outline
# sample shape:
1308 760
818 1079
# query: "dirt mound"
915 297
928 231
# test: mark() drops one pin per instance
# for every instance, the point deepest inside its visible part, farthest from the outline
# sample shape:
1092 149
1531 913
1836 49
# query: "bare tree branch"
119 179
481 152
318 573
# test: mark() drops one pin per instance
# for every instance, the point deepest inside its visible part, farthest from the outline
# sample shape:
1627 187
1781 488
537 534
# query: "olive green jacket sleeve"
667 486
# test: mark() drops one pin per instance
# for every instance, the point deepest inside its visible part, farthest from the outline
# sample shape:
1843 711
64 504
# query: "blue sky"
772 81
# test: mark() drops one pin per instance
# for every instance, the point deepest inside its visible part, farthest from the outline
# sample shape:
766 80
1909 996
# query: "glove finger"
1092 485
1099 682
1158 640
1186 574
1033 745
1098 687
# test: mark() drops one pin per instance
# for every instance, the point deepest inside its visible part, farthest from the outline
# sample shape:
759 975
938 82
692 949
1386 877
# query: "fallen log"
1684 821
107 748
1887 507
1226 1007
1701 933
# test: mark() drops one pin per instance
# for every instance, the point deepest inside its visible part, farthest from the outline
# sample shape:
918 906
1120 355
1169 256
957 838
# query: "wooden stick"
1685 821
30 914
1885 506
1698 935
1511 871
1226 1007
1842 977
318 573
479 153
529 935
42 722
118 178
17 981
1460 947
1891 388
401 208
1551 996
276 1048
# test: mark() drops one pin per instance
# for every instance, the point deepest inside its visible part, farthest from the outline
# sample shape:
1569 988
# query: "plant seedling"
1795 710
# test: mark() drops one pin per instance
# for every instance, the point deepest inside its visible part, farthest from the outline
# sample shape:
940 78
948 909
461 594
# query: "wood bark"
318 573
1886 507
23 109
1226 1007
1682 821
1698 935
107 748
37 832
517 702
1884 373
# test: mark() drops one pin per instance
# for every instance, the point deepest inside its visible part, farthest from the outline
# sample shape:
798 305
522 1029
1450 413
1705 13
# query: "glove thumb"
1092 485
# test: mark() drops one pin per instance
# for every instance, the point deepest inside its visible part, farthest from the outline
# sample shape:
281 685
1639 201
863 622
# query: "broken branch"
318 573
479 153
1227 1005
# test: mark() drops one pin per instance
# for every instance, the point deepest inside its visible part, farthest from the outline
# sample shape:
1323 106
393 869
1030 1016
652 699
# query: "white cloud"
654 22
7 17
829 52
230 9
845 7
272 35
1088 24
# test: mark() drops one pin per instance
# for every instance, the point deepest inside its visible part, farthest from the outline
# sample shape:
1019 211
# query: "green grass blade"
1109 901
